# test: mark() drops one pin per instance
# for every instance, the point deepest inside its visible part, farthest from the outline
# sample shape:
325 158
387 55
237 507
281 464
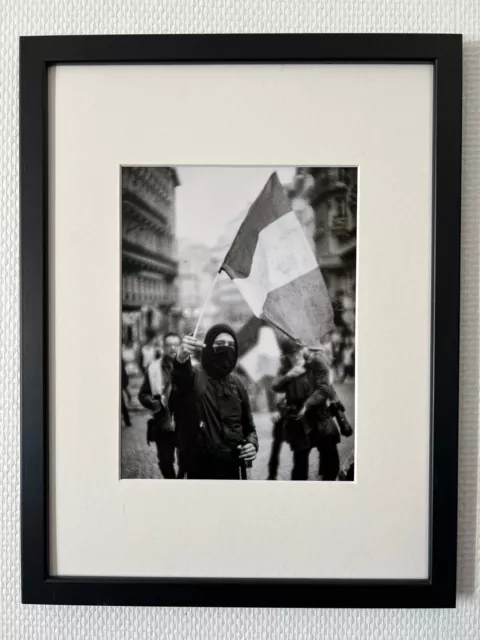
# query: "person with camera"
310 405
225 441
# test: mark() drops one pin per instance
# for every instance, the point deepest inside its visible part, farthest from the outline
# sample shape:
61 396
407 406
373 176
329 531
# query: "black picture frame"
37 54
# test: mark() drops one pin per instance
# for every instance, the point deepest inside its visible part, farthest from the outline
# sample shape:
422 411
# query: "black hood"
210 359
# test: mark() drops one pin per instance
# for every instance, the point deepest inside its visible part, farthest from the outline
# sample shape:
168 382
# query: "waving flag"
276 271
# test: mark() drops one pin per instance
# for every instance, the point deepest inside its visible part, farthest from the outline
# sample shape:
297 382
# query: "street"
139 460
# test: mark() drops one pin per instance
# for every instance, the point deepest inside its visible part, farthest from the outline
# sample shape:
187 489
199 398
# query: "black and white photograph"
238 322
192 271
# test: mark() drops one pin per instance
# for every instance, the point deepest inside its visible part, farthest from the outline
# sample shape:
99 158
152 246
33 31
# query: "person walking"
278 438
336 343
276 404
154 395
348 358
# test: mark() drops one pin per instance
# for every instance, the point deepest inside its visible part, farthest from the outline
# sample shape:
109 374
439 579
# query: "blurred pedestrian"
336 342
337 306
125 392
154 395
276 403
348 311
348 359
171 345
278 438
225 438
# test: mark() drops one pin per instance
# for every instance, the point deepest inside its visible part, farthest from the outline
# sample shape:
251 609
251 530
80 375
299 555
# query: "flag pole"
284 331
204 308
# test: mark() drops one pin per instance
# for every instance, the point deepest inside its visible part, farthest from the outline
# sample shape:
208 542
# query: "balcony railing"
143 257
148 299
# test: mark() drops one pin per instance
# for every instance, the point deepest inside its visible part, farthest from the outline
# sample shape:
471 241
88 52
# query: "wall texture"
25 17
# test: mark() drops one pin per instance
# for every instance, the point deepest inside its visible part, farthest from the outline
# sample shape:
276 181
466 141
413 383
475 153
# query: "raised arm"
183 377
285 375
183 374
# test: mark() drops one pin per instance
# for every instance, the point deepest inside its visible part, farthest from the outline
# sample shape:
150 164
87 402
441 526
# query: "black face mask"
222 361
218 362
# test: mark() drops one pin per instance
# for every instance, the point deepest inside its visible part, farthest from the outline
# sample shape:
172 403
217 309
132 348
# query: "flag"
276 271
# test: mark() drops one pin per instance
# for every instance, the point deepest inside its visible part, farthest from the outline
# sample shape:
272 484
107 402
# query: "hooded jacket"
224 418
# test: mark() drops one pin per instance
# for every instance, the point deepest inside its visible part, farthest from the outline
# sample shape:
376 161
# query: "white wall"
22 17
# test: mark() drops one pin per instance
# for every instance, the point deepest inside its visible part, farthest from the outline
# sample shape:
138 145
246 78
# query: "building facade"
332 196
149 256
297 192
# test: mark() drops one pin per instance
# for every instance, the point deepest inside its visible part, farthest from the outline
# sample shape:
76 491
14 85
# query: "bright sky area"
208 197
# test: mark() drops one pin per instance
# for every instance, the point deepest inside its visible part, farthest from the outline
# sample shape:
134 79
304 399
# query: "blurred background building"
227 300
149 256
330 194
193 284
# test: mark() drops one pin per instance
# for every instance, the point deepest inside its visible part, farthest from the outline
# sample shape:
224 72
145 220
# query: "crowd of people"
341 343
201 420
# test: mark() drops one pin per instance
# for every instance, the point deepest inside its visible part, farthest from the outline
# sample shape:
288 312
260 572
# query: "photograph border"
202 327
37 54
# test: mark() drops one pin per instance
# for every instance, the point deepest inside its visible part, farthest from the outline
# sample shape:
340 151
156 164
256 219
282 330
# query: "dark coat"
186 429
311 389
223 418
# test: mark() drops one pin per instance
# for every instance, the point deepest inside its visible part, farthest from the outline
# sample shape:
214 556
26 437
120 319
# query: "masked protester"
225 436
304 379
156 394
